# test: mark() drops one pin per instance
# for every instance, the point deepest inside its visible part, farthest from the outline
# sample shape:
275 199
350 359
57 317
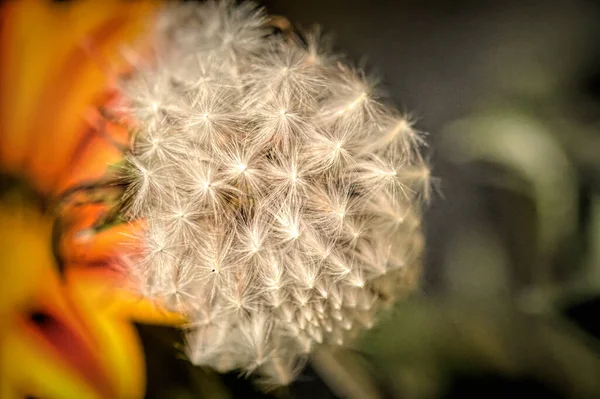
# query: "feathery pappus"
281 195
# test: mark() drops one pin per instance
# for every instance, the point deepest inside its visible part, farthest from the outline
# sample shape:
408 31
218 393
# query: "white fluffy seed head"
281 195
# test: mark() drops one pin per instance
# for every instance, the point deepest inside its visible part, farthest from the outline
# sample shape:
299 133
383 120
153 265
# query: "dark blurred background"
508 93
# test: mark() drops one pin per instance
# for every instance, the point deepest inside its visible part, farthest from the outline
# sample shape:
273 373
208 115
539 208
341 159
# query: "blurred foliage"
511 288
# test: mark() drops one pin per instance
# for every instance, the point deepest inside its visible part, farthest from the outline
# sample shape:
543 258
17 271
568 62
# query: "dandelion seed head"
281 193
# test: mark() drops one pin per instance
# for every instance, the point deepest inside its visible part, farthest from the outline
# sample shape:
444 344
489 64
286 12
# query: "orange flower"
65 324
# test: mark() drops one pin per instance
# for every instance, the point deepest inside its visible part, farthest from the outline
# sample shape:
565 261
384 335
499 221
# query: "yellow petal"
106 291
25 255
27 368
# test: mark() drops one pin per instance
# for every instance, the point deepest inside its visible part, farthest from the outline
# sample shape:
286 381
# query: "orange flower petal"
57 63
51 74
101 247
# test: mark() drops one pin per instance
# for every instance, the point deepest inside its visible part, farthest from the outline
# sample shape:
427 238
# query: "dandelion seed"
282 193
